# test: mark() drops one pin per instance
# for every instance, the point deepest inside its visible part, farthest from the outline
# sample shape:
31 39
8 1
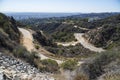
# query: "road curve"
82 41
86 44
27 41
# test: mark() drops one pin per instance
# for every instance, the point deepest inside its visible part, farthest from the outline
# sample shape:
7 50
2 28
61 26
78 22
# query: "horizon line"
58 12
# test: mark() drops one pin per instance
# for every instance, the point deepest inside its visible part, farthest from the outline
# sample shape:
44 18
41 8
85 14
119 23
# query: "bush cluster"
70 64
103 63
49 65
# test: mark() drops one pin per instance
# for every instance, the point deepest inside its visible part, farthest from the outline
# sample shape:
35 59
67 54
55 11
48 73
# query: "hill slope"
107 33
9 33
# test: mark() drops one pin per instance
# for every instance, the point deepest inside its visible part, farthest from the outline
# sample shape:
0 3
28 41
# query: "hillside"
32 48
9 33
61 26
107 33
59 39
103 66
101 33
16 62
62 30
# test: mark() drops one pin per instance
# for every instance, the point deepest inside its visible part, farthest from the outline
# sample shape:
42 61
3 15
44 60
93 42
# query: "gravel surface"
16 69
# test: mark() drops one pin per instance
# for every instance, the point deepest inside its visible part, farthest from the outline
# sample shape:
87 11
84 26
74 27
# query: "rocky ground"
15 69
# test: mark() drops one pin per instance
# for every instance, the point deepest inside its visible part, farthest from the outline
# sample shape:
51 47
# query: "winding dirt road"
27 41
82 41
86 44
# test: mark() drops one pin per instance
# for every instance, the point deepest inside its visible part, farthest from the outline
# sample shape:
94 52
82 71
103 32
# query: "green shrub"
70 51
37 46
63 37
49 65
35 54
97 67
21 52
70 64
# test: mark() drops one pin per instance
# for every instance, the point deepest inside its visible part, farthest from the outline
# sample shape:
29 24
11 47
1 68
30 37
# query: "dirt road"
27 41
86 44
82 41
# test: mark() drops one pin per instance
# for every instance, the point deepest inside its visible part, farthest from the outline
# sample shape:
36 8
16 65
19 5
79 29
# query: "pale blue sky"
84 6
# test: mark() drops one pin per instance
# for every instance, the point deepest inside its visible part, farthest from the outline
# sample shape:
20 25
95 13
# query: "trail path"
73 43
86 44
27 41
82 41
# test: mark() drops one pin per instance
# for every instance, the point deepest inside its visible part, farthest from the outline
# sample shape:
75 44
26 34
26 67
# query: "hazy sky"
60 6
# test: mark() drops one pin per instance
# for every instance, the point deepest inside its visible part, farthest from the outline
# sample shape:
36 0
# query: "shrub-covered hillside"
103 66
107 34
10 39
9 33
62 28
10 45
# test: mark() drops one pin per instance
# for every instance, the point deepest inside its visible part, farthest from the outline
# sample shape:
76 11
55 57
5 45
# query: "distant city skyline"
62 6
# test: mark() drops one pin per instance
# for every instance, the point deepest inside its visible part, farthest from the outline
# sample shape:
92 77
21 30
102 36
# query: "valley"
56 48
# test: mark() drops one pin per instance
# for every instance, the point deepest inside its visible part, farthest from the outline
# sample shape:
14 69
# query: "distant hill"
25 15
97 15
19 16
